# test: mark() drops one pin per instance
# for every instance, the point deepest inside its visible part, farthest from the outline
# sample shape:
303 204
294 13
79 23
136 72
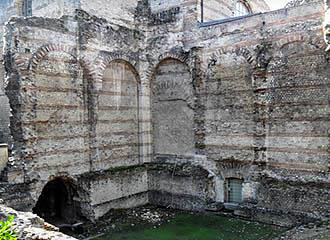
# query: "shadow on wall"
57 204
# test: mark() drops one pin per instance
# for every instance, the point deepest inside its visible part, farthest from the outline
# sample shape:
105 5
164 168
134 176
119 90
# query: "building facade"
156 106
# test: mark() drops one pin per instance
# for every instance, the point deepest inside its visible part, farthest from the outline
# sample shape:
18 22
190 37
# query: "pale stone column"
3 156
145 119
219 189
19 7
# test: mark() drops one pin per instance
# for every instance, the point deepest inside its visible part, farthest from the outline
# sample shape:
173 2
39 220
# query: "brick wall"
245 99
222 9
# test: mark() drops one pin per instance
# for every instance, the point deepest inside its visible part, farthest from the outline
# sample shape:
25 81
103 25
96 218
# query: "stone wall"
161 5
221 9
121 12
30 226
54 9
4 113
261 87
171 111
173 96
180 186
75 118
4 105
116 189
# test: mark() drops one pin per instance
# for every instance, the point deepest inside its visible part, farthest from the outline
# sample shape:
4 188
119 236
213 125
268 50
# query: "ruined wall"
73 118
171 113
117 128
229 122
54 9
273 116
59 118
221 9
172 109
122 12
28 225
116 189
4 112
179 186
4 105
261 115
161 5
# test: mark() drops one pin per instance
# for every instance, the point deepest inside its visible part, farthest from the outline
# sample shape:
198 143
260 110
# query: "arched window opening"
234 190
241 9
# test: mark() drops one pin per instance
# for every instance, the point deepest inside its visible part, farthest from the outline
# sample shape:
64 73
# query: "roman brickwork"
156 108
224 9
5 9
173 109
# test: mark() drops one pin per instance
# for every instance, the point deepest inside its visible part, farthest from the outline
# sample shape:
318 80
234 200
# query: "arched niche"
58 105
117 128
173 109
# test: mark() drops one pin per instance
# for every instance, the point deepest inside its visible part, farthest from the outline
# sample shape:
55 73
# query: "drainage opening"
56 203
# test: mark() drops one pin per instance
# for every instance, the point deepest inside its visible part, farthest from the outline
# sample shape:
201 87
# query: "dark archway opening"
57 204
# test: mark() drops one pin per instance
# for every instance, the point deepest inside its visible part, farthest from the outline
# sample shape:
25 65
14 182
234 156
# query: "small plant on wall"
7 231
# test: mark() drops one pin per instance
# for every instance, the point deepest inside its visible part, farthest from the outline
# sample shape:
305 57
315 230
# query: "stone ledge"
31 227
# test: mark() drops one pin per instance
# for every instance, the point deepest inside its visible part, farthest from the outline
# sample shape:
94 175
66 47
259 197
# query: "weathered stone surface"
3 156
161 109
173 104
29 226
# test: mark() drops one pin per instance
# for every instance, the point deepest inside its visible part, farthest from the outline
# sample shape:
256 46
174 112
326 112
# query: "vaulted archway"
58 203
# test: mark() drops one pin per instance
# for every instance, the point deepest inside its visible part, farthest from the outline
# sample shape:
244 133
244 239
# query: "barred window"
234 190
27 8
241 8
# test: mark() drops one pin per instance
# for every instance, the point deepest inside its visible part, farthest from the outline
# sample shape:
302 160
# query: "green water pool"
198 227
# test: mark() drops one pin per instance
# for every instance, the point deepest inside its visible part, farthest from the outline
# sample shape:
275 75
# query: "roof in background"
277 4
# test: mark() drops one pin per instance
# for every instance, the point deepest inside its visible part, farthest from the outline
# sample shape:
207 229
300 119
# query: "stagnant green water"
199 227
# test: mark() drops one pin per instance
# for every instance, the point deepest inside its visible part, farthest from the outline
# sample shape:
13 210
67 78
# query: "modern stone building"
171 103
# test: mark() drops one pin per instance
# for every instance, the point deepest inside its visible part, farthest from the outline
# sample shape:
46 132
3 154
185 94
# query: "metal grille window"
234 190
27 8
241 9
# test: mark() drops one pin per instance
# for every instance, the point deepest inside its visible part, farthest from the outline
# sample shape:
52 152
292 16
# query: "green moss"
199 227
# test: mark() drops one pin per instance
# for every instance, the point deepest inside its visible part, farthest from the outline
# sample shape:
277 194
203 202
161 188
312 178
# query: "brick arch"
242 52
179 56
102 62
317 41
234 169
44 50
174 55
208 66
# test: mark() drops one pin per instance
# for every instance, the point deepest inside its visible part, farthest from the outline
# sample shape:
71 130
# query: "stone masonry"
157 107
